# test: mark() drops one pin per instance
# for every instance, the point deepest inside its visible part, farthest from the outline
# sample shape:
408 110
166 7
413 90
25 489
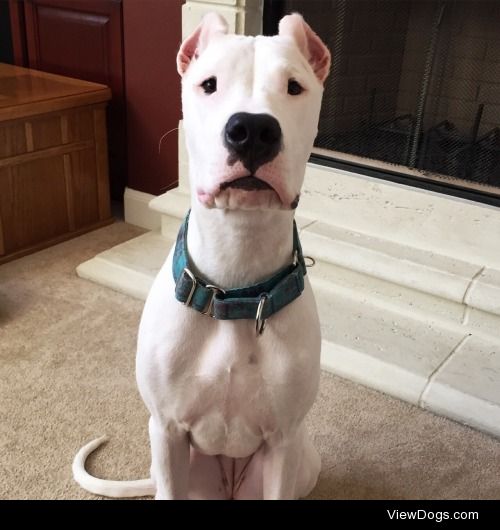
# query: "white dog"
228 394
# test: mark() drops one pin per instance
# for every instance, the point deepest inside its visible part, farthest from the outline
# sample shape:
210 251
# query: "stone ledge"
393 297
457 228
481 323
474 368
445 368
484 294
417 269
173 204
137 211
130 267
380 347
462 407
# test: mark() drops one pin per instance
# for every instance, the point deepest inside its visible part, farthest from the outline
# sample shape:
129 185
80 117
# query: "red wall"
152 35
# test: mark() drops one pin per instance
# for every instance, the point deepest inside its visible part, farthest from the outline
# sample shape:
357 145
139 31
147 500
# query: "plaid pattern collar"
254 302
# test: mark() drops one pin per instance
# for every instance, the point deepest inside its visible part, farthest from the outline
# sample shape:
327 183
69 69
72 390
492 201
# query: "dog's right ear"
309 43
212 25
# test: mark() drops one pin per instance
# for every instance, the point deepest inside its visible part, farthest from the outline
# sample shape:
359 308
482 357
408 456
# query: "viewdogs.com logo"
432 516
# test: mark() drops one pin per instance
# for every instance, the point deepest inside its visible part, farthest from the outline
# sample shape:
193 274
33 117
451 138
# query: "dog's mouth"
248 183
242 193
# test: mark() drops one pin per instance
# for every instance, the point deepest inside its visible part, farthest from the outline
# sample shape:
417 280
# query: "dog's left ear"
211 26
308 42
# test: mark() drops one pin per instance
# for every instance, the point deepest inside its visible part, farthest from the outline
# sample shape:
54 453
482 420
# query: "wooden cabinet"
53 159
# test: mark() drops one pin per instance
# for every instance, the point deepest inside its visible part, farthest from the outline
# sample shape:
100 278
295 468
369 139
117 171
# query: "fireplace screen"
414 88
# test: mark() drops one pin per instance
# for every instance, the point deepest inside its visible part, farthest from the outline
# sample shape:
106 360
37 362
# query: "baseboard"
137 211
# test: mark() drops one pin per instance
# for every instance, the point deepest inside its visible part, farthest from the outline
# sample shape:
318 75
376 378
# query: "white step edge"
129 267
137 211
463 407
417 269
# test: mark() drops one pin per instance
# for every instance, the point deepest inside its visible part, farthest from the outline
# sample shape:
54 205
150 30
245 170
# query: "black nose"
254 139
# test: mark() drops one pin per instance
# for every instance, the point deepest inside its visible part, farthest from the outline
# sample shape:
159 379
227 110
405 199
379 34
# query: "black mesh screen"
413 83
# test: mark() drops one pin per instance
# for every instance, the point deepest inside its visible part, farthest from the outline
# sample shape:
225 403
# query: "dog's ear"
308 42
211 26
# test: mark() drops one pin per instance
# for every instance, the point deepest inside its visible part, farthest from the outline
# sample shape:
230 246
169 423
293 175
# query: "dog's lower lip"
248 183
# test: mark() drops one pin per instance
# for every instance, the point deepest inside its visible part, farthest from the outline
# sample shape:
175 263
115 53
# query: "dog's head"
251 108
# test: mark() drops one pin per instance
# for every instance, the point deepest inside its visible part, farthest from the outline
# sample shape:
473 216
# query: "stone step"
130 267
445 369
172 207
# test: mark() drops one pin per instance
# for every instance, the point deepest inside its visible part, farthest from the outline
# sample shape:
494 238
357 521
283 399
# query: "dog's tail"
107 488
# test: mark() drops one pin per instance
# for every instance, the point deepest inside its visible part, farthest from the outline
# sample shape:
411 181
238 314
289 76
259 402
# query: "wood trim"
84 86
64 128
101 155
2 244
45 107
31 36
68 181
18 30
28 132
45 153
55 240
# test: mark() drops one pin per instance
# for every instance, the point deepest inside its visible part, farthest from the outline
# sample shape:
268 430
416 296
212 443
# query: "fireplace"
414 93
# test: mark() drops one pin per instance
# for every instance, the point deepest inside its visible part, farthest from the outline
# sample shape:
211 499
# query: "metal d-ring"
193 286
312 261
215 291
260 323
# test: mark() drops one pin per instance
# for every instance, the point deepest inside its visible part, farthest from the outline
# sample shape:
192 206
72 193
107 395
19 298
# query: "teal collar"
254 302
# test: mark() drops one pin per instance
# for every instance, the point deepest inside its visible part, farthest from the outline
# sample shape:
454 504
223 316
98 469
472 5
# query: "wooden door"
83 39
152 38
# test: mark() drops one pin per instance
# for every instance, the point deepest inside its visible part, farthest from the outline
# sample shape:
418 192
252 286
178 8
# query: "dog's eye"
209 85
294 87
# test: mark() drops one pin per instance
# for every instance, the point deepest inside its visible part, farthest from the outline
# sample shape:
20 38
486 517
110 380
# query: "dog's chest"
230 400
228 388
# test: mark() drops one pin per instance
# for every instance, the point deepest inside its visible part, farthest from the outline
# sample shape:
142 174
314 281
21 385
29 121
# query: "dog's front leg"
280 470
169 459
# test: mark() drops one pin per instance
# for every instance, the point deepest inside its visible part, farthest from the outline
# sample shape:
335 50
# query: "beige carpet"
67 375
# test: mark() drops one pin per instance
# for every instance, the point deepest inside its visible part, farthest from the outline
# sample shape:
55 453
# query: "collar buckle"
192 277
215 291
260 323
